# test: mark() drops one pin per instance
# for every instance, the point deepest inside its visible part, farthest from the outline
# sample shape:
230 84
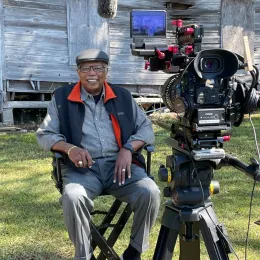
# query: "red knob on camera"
226 138
188 50
177 23
146 65
174 49
188 31
160 54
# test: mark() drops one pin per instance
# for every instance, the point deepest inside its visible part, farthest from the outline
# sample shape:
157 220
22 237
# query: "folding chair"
98 232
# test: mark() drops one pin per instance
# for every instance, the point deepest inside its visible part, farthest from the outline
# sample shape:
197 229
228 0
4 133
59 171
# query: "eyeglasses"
95 68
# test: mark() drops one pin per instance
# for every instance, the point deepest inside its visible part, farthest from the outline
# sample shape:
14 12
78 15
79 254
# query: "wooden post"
86 29
248 56
237 21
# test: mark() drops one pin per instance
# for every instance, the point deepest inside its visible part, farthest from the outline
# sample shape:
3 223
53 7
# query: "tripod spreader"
252 170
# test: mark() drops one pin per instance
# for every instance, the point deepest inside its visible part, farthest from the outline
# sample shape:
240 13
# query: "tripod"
190 210
187 223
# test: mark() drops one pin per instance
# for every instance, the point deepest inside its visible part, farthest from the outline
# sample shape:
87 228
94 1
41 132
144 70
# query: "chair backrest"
56 170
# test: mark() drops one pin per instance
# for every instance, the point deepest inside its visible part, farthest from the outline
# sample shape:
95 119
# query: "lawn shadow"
32 253
31 205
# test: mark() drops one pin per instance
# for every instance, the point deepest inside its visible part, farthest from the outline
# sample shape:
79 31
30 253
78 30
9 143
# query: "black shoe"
131 254
122 258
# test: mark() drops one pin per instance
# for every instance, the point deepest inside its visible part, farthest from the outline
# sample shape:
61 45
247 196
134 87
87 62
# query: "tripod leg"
217 244
165 244
190 241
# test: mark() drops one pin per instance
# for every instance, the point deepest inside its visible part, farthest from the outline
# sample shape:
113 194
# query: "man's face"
92 76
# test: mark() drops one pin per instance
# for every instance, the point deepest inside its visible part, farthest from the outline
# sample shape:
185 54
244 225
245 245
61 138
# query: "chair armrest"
150 149
57 155
56 171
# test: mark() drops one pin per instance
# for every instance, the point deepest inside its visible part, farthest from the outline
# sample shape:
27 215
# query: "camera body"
201 92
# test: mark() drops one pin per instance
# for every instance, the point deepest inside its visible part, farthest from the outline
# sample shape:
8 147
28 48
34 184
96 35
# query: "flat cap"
92 55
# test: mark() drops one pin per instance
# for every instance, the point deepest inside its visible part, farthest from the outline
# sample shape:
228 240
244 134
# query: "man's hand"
123 166
80 157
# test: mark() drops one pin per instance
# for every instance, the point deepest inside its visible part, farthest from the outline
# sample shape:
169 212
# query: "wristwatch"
129 147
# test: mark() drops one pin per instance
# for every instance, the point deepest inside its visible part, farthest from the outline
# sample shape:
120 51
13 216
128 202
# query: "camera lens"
210 65
215 64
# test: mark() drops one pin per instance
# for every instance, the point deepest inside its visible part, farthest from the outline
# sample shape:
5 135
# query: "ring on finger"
123 170
80 163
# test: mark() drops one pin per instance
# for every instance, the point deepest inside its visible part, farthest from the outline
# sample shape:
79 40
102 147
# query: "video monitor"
148 24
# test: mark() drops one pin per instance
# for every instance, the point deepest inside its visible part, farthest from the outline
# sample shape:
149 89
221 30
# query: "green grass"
31 222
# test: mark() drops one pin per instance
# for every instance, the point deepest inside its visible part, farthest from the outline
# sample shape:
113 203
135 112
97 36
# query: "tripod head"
189 170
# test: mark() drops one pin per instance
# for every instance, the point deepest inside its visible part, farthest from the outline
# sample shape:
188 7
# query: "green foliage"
31 222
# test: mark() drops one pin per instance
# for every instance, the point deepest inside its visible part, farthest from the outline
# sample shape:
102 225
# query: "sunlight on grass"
31 222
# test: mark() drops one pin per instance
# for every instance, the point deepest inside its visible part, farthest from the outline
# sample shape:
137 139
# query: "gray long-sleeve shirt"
97 132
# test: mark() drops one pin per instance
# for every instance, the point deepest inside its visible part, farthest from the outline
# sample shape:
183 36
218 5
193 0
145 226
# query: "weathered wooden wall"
86 29
127 69
36 41
206 13
235 27
1 55
257 33
40 39
40 45
36 37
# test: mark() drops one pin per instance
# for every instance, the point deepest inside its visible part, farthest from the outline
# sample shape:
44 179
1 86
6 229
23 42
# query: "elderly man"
100 130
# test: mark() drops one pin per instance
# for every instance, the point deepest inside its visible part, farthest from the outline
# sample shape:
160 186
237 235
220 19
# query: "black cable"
253 190
250 100
257 73
251 199
249 219
251 97
253 79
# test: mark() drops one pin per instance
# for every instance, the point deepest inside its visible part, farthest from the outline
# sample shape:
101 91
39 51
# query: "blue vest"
71 117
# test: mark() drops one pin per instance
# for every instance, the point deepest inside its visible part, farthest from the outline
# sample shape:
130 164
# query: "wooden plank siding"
36 40
132 67
1 55
257 34
86 29
206 13
235 27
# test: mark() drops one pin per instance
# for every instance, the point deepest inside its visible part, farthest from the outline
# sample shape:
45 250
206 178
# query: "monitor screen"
148 24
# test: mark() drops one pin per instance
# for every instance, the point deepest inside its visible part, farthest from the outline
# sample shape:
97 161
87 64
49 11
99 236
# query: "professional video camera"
208 99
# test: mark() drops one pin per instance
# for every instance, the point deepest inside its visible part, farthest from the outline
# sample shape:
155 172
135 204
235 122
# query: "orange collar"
74 95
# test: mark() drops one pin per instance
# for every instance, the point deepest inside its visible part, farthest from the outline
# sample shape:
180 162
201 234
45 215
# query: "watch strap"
129 147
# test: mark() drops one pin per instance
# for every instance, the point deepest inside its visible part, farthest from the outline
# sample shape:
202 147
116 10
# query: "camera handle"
252 170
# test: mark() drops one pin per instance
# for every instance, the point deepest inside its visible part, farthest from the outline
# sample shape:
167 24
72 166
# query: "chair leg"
119 225
106 246
107 221
107 251
116 230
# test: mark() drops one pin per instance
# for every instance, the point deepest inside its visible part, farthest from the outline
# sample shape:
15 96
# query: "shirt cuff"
48 142
147 140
